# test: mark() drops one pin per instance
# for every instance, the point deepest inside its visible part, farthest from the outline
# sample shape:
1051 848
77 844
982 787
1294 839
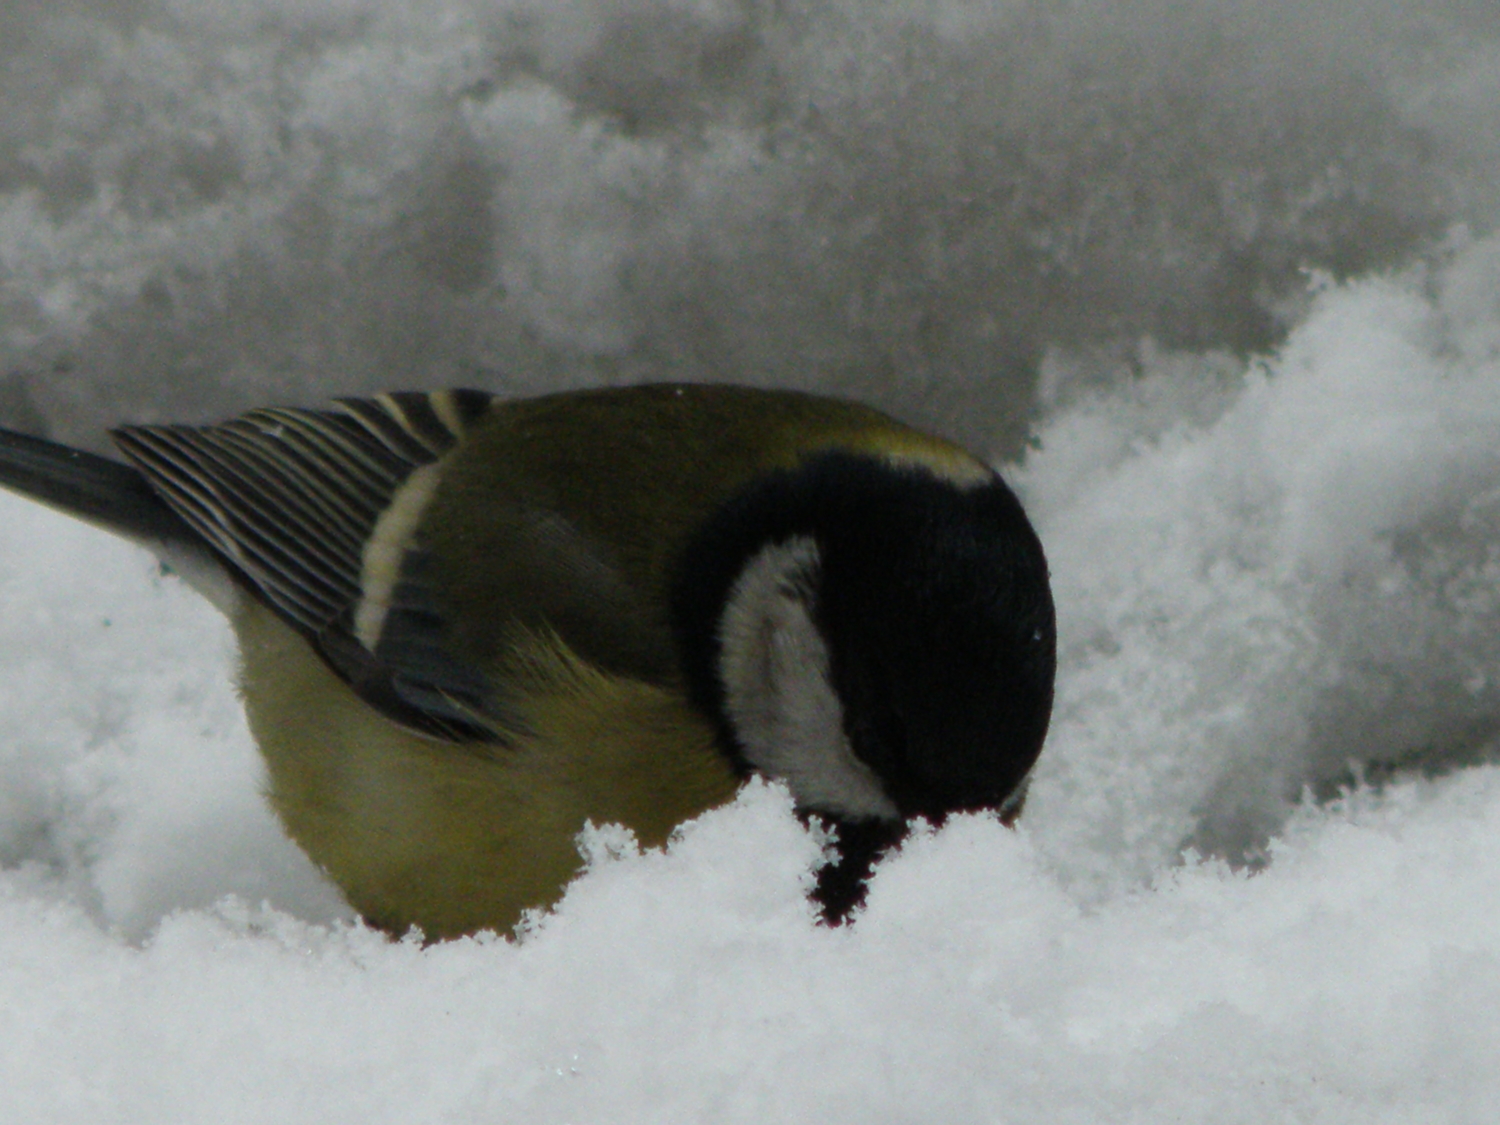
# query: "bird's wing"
315 510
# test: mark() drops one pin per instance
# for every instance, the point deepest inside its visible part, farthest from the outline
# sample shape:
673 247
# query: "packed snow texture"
1218 286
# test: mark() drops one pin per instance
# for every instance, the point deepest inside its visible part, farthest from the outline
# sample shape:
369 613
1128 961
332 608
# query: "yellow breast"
459 837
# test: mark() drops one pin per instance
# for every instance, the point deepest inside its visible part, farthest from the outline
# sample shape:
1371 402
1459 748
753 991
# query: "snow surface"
1231 268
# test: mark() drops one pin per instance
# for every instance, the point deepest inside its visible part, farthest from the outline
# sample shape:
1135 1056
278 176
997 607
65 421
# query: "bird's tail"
117 497
109 494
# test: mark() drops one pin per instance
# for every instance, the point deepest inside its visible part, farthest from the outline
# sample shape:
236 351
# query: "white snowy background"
1216 283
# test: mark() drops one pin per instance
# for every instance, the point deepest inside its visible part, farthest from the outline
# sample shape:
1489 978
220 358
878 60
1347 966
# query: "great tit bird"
468 625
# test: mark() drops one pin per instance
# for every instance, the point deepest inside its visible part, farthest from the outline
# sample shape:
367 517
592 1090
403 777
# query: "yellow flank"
455 838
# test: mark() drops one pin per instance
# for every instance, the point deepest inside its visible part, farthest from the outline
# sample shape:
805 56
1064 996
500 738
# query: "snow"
1215 284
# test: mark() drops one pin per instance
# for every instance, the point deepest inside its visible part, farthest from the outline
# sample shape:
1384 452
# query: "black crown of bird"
468 625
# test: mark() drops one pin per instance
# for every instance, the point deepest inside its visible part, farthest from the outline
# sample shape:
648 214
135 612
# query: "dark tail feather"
109 494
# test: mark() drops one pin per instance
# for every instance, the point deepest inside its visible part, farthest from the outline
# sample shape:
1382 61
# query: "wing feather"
290 498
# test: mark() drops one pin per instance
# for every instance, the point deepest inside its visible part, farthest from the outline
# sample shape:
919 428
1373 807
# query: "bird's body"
469 625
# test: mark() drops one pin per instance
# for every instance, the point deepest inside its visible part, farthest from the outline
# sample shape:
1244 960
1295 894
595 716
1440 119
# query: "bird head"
878 636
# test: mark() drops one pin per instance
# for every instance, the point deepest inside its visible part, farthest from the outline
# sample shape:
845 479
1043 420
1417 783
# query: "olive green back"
588 499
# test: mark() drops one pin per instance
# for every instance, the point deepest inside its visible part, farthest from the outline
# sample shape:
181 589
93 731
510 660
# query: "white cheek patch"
778 691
